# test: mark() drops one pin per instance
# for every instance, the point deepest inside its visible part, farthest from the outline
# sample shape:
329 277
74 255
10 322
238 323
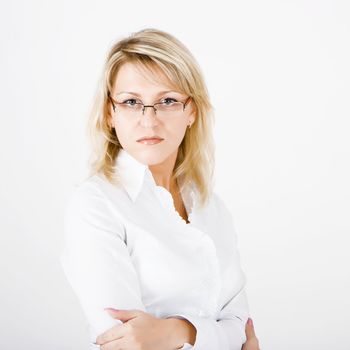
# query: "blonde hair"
154 50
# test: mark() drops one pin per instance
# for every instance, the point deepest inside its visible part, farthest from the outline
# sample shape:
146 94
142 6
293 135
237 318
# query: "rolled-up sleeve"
96 260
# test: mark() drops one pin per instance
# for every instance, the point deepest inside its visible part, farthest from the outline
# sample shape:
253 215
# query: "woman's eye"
169 100
130 102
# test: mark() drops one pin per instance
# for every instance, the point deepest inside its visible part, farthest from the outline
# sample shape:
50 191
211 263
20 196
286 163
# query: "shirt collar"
133 173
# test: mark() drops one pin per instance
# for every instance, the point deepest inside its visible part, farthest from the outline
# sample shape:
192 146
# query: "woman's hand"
252 342
139 330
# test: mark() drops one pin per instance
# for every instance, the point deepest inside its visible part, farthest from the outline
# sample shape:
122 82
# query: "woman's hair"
153 51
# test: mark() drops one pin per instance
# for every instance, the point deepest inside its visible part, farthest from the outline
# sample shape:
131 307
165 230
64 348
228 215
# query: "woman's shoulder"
221 208
215 203
88 204
214 212
93 194
85 190
96 185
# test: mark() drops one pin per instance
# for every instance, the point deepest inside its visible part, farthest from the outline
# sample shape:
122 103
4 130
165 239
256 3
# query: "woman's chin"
152 155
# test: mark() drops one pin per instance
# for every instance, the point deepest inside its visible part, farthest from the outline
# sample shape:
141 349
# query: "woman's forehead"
132 77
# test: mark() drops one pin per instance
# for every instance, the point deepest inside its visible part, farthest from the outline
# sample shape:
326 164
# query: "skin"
252 342
160 157
135 332
142 331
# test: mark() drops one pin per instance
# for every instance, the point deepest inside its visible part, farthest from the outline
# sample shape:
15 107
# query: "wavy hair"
155 50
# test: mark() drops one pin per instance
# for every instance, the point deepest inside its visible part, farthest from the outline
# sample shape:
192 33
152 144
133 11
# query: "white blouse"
127 247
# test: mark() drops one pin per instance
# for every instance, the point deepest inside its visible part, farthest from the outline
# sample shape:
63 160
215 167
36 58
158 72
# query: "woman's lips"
150 141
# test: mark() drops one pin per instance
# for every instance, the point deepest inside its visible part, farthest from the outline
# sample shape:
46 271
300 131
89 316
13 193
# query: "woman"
145 234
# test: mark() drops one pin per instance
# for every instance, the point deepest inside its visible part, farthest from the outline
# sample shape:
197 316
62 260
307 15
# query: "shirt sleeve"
227 332
96 260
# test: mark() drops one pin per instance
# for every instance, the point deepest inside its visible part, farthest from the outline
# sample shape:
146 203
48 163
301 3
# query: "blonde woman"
150 249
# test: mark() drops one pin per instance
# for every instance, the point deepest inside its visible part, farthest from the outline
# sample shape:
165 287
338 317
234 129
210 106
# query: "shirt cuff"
186 346
208 333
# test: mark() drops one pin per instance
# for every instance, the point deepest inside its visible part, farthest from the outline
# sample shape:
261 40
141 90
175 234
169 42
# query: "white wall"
278 74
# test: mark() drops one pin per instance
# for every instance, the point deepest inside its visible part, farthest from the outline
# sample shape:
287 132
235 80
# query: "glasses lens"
130 109
169 109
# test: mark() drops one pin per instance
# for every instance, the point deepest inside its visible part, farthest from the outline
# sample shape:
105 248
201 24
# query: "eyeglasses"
168 108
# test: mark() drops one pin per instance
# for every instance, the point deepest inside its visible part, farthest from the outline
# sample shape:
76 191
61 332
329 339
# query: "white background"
278 75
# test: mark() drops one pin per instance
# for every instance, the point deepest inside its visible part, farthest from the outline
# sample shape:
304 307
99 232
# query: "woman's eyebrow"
138 95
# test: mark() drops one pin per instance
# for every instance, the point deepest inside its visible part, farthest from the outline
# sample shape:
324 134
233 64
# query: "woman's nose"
149 117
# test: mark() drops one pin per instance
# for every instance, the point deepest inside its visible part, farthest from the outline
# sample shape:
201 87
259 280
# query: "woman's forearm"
182 331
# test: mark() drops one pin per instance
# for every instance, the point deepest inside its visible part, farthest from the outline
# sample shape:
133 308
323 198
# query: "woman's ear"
192 116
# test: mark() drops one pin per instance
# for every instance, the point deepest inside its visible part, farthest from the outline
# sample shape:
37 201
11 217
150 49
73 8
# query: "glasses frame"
114 102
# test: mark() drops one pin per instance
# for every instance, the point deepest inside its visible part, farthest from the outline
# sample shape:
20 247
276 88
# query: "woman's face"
133 86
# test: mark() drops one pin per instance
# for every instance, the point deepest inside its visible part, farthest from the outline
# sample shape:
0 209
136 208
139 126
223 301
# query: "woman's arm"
225 333
97 263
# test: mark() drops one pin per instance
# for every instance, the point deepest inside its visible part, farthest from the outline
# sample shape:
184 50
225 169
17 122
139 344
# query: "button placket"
213 282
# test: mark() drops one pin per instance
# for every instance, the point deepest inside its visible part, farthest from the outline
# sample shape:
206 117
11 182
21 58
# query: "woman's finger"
249 329
114 333
114 345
